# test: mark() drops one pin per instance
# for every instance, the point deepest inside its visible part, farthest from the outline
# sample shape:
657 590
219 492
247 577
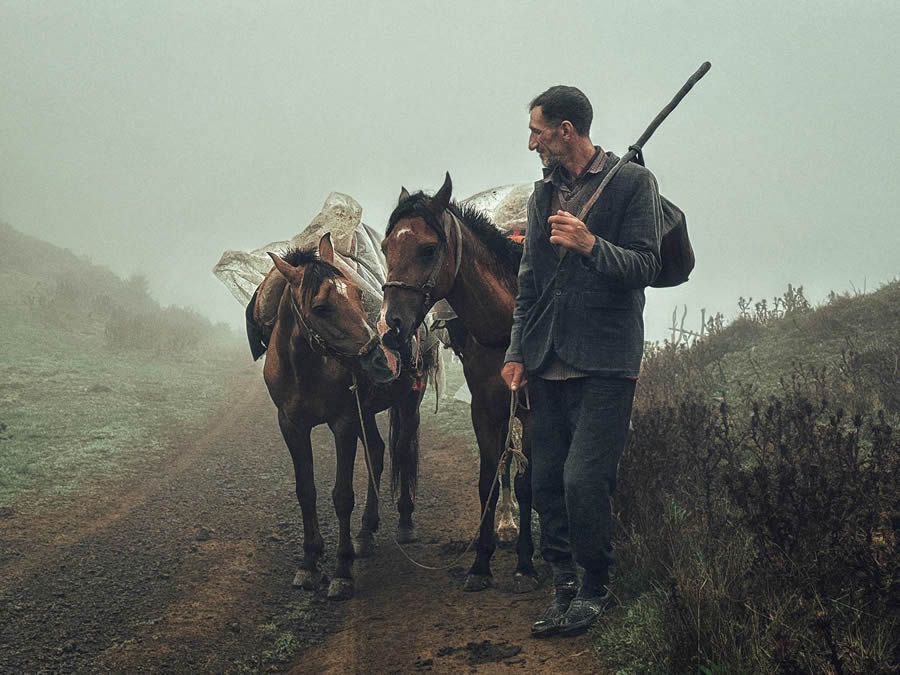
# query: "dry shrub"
172 330
759 534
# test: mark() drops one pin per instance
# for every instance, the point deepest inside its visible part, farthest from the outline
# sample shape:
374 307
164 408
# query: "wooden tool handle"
692 80
636 148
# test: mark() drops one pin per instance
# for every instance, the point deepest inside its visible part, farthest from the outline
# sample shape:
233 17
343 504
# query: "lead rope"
512 450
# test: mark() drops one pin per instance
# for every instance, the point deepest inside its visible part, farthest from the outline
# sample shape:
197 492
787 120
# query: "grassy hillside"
758 499
95 376
851 337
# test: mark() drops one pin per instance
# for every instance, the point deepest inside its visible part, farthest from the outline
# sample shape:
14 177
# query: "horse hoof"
406 534
507 534
477 582
364 545
308 581
340 589
524 583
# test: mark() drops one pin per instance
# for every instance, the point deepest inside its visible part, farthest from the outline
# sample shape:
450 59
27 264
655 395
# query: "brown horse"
436 249
320 346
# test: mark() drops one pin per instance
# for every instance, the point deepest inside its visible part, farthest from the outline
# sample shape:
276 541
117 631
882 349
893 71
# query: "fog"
153 136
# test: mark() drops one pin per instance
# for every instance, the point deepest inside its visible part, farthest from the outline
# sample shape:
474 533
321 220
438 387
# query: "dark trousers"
580 430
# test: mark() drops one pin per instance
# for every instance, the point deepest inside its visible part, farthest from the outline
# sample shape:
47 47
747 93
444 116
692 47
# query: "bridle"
426 288
317 342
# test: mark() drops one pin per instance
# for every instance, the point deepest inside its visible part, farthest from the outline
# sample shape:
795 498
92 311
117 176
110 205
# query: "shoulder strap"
632 151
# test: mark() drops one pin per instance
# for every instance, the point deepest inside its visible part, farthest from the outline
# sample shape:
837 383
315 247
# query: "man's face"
545 139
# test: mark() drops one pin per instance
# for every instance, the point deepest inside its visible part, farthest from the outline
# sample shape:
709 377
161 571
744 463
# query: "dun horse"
436 249
321 344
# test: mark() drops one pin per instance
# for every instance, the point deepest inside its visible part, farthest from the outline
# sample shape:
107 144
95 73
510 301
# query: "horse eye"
428 251
321 310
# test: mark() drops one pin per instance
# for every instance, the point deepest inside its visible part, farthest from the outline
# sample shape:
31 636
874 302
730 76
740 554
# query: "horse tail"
255 334
404 453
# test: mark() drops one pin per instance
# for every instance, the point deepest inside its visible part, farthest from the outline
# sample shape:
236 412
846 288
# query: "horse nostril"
389 339
394 329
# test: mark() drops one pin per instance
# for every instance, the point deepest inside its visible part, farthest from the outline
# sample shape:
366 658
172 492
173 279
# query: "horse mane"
506 252
315 270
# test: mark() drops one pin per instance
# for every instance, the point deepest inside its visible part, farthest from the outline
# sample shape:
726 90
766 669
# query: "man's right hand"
513 374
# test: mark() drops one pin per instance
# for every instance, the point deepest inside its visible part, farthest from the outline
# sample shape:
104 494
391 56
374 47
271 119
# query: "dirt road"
189 568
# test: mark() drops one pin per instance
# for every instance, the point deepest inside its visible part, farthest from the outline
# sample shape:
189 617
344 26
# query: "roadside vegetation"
758 499
95 376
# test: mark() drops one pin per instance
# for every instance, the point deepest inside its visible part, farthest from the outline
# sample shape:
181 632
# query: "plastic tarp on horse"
506 205
357 251
243 271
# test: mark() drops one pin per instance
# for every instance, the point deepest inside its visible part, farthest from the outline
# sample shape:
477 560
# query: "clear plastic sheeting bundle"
357 244
506 206
357 253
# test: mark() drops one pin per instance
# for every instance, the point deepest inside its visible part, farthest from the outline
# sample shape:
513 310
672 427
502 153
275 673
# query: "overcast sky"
152 136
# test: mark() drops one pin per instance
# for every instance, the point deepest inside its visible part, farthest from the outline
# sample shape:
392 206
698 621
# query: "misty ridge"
64 292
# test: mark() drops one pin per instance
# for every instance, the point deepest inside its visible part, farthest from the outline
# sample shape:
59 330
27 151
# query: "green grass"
75 408
633 634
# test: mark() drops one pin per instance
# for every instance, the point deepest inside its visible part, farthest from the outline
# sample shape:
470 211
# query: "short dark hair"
561 103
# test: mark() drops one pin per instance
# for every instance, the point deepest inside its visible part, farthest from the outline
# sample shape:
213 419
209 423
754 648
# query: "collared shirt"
571 194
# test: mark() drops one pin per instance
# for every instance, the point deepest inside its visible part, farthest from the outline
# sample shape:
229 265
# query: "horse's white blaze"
403 231
341 287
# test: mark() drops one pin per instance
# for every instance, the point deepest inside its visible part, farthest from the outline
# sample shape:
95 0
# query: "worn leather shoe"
549 622
582 613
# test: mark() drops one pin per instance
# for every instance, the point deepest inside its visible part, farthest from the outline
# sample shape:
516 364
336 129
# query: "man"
578 333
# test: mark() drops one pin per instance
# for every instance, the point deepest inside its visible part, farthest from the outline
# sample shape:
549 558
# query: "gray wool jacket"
588 311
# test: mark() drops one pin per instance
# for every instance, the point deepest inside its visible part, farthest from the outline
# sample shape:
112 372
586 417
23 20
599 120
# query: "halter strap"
426 288
317 342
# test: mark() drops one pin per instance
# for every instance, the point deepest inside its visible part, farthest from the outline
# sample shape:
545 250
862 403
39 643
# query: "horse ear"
404 195
326 249
442 199
288 271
